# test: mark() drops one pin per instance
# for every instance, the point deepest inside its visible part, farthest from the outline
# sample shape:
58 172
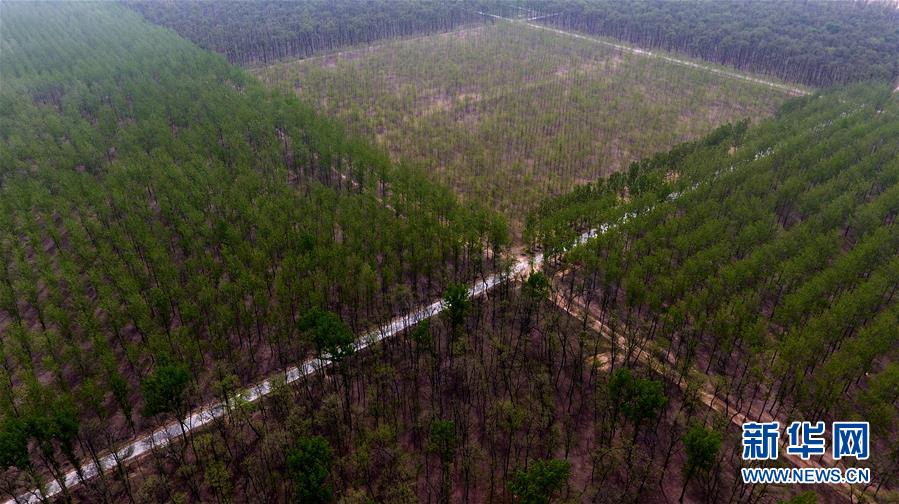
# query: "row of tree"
260 32
767 258
493 401
819 43
510 114
165 224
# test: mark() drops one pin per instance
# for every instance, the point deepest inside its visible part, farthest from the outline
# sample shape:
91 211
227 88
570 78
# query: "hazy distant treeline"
817 42
268 30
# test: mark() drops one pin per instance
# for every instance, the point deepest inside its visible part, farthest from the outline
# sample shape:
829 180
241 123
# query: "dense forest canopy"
172 231
743 248
817 42
166 221
768 257
268 30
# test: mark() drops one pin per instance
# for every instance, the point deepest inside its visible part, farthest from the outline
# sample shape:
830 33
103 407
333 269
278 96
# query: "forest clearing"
506 114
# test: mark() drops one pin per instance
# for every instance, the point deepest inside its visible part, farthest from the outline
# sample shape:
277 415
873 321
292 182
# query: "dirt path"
575 306
792 91
133 450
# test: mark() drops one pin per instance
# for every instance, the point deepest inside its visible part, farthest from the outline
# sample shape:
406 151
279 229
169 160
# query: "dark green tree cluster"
263 31
538 483
167 223
817 42
309 466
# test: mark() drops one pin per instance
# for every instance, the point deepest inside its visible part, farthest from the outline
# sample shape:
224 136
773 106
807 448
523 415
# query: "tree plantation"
166 222
264 31
507 114
765 261
814 42
453 251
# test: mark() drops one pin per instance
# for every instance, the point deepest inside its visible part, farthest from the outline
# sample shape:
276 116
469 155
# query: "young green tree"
458 303
309 467
165 389
442 442
13 444
638 399
540 482
333 340
537 285
701 445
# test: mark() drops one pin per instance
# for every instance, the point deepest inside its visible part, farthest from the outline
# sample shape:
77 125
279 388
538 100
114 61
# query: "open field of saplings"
508 114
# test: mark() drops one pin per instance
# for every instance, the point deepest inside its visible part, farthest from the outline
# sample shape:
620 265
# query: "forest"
508 115
395 251
166 221
765 260
579 386
264 31
817 42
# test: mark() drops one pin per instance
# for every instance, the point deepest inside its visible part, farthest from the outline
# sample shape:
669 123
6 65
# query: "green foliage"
165 389
458 302
772 242
331 336
638 399
309 468
60 423
702 446
809 497
442 439
56 423
508 114
300 29
13 444
537 285
421 333
557 222
817 42
155 200
540 481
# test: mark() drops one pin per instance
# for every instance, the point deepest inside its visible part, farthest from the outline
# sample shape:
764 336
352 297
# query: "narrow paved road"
200 417
203 415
